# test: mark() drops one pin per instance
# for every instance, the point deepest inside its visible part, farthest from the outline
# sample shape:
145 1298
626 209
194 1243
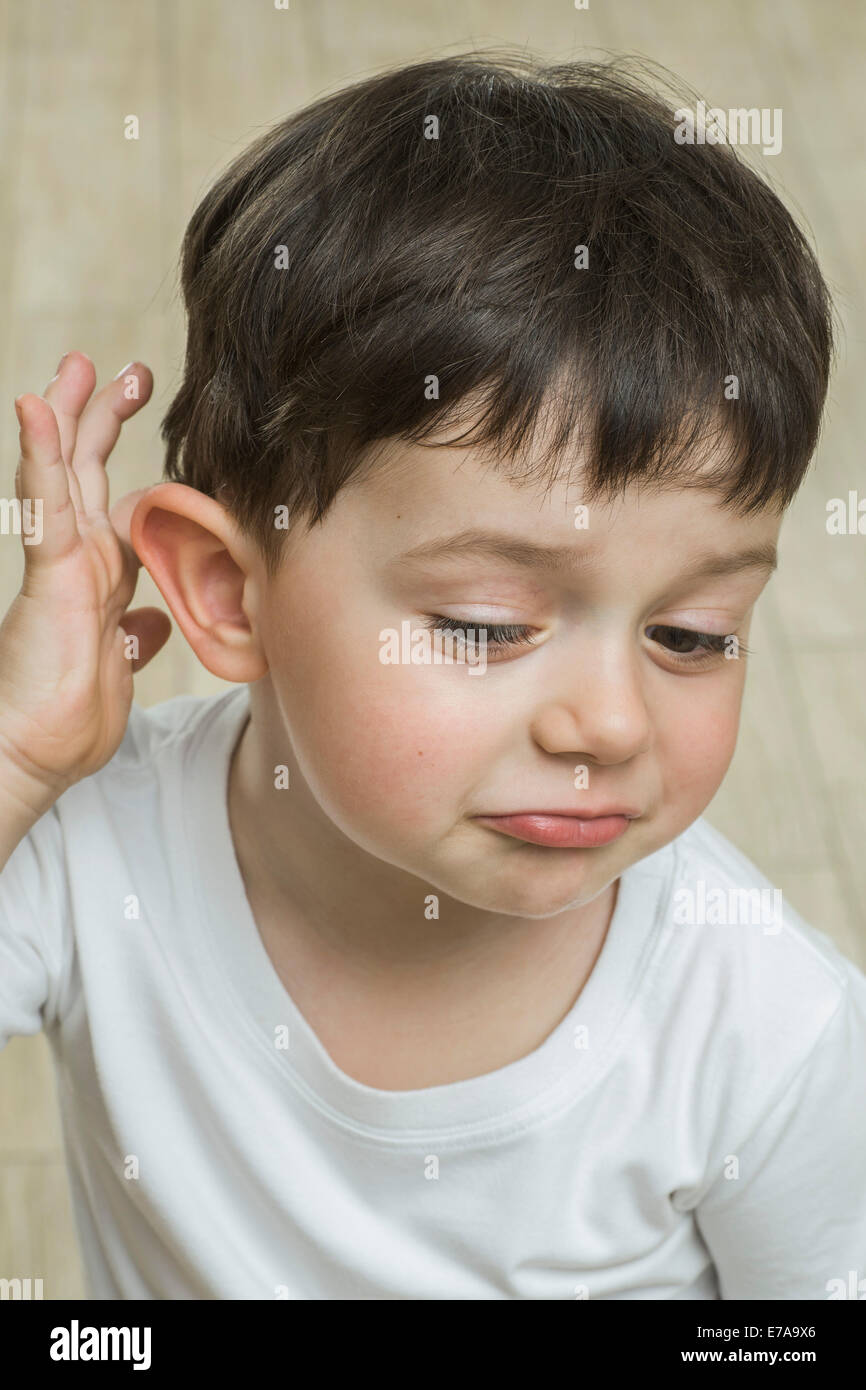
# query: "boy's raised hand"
65 677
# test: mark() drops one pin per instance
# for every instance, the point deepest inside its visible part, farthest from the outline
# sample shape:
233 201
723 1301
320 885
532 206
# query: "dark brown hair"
408 258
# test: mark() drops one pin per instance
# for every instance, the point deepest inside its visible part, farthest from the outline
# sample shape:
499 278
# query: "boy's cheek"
698 751
384 748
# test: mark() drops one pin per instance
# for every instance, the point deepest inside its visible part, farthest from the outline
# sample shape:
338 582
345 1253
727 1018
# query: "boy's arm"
35 931
22 802
792 1223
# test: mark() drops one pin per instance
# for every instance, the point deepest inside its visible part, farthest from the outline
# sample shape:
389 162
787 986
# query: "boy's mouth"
561 829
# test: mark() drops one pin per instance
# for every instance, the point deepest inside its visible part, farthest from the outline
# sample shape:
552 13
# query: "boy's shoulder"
167 727
719 891
740 968
165 746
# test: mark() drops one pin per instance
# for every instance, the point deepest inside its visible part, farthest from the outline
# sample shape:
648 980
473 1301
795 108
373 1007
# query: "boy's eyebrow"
504 547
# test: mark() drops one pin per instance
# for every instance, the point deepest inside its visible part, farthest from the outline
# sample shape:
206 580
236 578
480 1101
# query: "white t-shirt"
695 1128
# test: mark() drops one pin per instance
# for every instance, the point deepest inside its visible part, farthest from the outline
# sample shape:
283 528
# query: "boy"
385 976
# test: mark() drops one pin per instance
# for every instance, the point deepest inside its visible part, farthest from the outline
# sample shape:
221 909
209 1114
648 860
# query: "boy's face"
410 760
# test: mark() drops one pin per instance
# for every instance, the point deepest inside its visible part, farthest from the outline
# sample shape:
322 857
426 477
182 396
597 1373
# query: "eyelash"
497 634
711 646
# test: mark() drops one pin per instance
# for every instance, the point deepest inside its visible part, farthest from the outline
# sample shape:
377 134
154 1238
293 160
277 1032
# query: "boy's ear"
207 572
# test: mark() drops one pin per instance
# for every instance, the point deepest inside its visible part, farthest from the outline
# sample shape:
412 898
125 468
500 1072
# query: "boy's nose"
603 715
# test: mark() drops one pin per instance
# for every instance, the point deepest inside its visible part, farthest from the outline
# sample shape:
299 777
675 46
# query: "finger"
99 428
66 413
44 485
66 393
152 628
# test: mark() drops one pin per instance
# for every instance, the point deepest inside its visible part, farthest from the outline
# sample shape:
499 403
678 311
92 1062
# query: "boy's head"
504 355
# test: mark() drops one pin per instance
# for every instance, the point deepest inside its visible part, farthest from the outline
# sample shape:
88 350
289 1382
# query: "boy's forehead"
449 501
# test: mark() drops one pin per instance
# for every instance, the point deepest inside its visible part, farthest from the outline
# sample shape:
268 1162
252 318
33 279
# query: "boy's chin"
529 891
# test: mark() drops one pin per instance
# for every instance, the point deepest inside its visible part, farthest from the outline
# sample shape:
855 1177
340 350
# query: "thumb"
120 517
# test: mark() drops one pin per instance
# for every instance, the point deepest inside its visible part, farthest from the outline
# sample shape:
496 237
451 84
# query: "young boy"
408 969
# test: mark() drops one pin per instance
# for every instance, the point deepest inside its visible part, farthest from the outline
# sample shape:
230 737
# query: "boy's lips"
563 829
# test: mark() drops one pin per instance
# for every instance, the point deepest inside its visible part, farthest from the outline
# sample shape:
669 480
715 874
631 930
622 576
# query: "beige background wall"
90 226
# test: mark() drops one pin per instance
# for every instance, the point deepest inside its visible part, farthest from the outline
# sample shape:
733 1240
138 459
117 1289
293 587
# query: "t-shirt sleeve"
789 1219
34 931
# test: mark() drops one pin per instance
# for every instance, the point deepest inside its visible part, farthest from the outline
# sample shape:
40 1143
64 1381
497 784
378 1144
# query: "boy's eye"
495 634
684 644
690 646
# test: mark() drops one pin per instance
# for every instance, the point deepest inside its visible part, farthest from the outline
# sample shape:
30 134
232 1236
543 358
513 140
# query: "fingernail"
124 369
57 373
18 410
